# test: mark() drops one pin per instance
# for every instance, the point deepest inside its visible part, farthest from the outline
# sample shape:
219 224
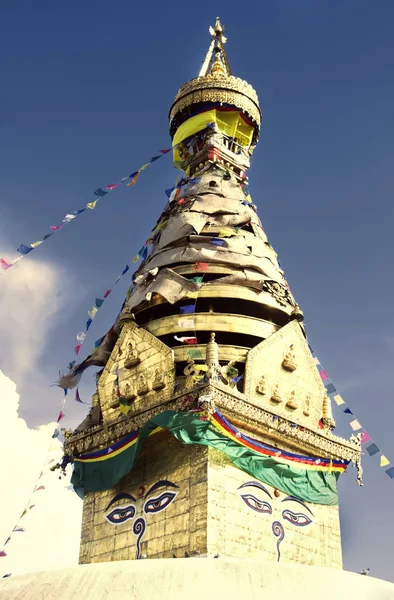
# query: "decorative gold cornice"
249 417
218 88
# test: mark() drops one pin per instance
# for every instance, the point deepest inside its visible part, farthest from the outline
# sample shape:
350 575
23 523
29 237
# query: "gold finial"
217 66
220 63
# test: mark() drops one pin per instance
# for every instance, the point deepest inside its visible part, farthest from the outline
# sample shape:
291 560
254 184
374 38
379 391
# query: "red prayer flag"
77 348
3 553
191 340
164 151
4 264
112 186
365 437
201 266
60 417
56 227
323 375
42 487
107 293
181 201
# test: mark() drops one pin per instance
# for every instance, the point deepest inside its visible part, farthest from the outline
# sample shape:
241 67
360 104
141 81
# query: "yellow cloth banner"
384 461
228 122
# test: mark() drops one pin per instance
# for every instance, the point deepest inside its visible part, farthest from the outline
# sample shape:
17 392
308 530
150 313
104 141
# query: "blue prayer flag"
133 174
155 158
78 212
187 308
125 269
100 192
348 411
330 388
99 302
372 449
390 472
169 192
97 343
88 323
217 241
143 252
46 236
24 249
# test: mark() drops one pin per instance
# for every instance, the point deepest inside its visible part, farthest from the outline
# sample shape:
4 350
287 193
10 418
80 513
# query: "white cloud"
52 526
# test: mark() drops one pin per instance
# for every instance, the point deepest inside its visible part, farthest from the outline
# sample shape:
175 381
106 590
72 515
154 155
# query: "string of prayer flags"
355 424
100 192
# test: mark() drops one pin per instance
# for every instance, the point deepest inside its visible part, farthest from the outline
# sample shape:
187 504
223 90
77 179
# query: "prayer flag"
186 340
191 294
339 400
81 336
56 227
383 461
79 212
365 437
125 270
3 553
348 411
92 205
323 375
100 192
165 151
134 177
68 218
236 379
186 323
4 264
217 241
144 166
60 417
225 233
355 425
169 191
42 487
194 353
77 349
55 434
143 252
99 302
124 408
92 312
187 309
209 253
88 324
107 293
330 388
390 472
77 396
194 180
201 266
311 349
136 257
112 186
154 158
97 343
181 201
372 449
46 236
35 244
197 279
24 249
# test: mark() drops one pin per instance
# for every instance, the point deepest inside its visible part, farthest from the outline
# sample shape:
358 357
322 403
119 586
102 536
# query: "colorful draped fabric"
311 479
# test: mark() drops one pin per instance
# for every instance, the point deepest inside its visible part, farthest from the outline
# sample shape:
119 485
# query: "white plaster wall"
192 579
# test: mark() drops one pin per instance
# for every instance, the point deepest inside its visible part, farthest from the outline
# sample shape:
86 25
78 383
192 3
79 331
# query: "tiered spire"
216 54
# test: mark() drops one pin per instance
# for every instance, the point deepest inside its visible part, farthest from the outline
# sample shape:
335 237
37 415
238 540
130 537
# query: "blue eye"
120 515
256 504
155 505
298 519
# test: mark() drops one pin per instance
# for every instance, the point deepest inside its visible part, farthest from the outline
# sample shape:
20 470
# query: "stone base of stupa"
192 579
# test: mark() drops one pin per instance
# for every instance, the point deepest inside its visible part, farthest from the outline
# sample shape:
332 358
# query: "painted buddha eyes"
121 514
298 519
155 505
256 504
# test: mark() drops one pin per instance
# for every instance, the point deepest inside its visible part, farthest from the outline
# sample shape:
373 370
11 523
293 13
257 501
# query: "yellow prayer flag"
339 400
35 244
144 166
136 257
225 233
191 294
384 461
92 205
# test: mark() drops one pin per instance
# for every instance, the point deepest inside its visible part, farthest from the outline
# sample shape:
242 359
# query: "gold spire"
220 63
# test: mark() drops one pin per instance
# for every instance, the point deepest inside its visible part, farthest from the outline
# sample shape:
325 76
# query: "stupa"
211 434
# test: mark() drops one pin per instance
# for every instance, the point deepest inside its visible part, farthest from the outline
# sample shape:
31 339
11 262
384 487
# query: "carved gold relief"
292 402
275 396
307 405
261 387
132 359
289 362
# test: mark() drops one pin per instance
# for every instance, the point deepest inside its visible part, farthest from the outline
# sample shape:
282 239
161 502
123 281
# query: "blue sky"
86 89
